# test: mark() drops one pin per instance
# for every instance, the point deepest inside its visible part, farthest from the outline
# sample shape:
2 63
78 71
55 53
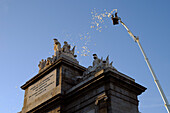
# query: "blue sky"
27 28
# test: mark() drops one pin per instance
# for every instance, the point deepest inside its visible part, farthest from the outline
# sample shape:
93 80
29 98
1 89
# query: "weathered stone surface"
104 92
47 84
64 86
41 87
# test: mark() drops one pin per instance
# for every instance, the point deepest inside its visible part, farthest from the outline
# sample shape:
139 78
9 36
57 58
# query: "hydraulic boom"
116 20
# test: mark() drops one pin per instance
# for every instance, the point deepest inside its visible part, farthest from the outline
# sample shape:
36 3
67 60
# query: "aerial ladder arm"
116 20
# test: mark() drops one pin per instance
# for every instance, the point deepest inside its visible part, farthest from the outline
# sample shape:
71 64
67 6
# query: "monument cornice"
97 79
61 60
132 85
113 76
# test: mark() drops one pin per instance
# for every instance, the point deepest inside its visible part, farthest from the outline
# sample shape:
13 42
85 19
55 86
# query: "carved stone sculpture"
72 51
66 48
96 60
41 65
54 58
58 52
49 61
57 47
98 64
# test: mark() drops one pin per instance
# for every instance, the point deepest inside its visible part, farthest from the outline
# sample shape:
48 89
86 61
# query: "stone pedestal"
50 85
62 88
107 91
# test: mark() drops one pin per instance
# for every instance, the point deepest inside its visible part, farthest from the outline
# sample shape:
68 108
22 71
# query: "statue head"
65 43
55 40
95 56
